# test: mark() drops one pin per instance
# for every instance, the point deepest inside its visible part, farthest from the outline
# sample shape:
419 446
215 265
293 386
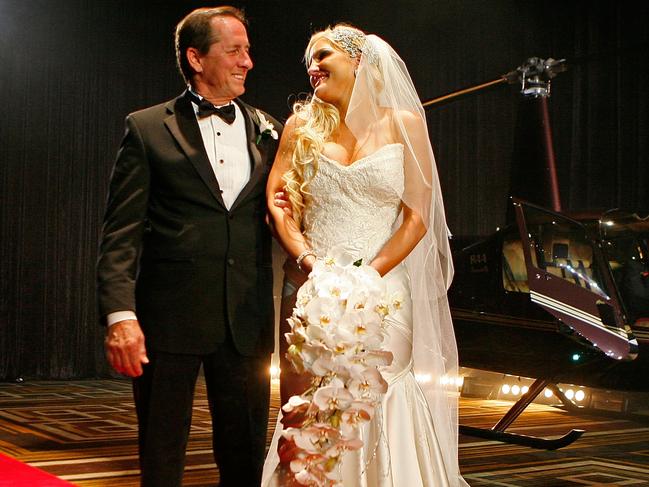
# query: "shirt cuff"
118 316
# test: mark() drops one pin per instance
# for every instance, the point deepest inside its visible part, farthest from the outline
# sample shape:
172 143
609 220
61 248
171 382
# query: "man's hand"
281 201
124 344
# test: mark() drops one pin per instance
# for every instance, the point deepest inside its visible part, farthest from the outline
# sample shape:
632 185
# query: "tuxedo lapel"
256 172
184 128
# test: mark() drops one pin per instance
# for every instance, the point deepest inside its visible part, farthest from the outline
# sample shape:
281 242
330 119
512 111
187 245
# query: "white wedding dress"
356 207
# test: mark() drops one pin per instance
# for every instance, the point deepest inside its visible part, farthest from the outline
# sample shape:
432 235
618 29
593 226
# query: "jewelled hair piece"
354 43
351 40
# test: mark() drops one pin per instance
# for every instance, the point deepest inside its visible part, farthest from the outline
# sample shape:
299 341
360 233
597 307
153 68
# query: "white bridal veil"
383 84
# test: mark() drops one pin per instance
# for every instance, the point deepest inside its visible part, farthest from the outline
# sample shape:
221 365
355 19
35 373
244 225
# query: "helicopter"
561 297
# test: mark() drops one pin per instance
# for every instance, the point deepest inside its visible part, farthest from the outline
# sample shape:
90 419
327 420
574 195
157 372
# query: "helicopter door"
567 278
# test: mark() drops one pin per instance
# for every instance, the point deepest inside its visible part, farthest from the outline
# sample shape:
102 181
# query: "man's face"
222 71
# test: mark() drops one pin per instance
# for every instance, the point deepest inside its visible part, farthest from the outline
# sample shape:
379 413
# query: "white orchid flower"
332 398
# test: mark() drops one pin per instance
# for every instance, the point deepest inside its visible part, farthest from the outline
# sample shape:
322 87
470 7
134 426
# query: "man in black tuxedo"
184 273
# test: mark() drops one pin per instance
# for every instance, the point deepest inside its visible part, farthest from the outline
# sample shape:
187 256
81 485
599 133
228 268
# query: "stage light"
547 393
516 390
575 357
505 388
524 389
580 395
274 372
447 381
570 394
424 378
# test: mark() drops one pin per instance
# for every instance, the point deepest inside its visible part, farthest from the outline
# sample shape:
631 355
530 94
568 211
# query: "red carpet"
16 474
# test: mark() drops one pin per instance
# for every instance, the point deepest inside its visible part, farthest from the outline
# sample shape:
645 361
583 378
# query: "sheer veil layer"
383 87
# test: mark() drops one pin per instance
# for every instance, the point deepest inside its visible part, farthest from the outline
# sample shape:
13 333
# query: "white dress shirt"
227 149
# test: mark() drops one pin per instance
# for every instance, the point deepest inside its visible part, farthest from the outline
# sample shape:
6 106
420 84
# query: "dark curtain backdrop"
70 70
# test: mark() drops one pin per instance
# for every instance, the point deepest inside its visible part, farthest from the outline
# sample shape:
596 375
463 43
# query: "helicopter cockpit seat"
571 261
514 270
568 260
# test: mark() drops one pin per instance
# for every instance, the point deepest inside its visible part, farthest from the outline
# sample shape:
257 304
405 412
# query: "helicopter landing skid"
498 433
524 440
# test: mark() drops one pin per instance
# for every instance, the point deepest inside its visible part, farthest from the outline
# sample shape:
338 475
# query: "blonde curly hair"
316 120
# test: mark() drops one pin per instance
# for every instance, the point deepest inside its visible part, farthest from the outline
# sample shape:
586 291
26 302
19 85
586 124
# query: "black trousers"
238 390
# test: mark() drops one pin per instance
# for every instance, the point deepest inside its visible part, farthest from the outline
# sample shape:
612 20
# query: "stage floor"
85 432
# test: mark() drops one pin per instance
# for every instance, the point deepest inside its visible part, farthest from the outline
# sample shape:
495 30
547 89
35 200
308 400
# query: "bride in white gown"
356 164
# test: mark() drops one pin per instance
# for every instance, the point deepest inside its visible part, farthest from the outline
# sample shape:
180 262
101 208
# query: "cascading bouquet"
337 330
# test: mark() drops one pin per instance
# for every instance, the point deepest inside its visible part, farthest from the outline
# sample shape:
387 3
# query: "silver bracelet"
303 256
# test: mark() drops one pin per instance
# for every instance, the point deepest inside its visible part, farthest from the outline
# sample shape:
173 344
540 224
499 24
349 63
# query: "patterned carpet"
85 432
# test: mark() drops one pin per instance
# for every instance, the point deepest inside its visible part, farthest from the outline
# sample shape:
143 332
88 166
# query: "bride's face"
331 73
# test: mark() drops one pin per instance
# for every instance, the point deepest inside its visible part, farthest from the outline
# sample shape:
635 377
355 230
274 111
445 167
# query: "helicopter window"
570 260
514 270
564 250
630 269
562 247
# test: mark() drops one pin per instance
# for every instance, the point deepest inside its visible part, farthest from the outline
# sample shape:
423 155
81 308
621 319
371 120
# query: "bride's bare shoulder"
408 121
289 133
293 122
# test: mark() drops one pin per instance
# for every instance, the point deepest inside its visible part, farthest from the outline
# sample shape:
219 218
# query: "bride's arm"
406 238
286 229
409 129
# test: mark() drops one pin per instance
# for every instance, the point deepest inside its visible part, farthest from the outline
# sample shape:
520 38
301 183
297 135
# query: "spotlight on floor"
274 372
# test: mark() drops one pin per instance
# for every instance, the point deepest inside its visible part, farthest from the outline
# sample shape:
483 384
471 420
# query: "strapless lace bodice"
355 206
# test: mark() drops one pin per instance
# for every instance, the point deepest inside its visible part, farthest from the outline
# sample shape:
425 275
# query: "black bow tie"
205 109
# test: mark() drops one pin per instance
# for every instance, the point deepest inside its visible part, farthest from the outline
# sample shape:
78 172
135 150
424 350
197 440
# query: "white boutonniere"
266 129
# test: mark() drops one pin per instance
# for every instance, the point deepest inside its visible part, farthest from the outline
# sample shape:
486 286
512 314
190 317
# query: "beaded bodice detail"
355 206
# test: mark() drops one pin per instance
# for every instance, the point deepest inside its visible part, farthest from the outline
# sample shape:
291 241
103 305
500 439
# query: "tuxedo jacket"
172 252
